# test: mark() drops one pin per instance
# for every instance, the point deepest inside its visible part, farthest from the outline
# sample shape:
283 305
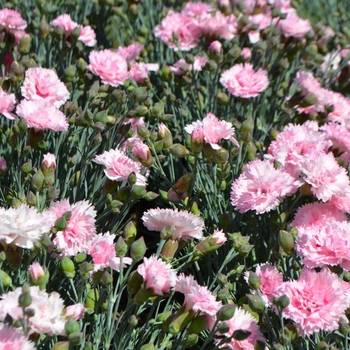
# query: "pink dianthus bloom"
14 339
42 116
242 81
36 271
13 21
7 104
110 66
341 108
214 130
87 36
139 71
197 10
183 224
261 187
178 31
294 26
325 245
157 275
47 308
241 320
76 311
325 176
270 279
65 22
181 66
130 53
24 226
80 230
102 251
197 298
317 301
48 164
118 166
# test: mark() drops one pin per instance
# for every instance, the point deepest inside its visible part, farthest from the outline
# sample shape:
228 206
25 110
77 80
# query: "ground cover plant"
174 174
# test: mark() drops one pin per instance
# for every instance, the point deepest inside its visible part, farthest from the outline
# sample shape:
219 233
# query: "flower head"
65 22
42 116
294 26
260 187
317 301
183 224
118 166
13 21
130 53
75 311
14 339
87 36
80 230
242 81
36 271
214 130
7 104
157 275
110 66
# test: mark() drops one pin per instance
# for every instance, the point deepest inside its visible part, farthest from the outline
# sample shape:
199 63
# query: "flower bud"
223 327
138 192
286 241
92 297
165 135
169 249
38 180
24 45
71 326
251 151
132 179
27 167
61 345
5 279
121 248
139 94
48 164
75 339
241 334
80 257
129 233
44 28
37 275
179 151
254 280
178 321
132 321
221 156
138 250
148 346
344 326
283 301
68 267
255 303
143 132
191 340
321 345
226 312
75 33
135 281
107 278
24 300
211 243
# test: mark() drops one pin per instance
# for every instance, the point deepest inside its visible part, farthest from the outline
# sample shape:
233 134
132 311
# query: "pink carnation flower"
179 26
130 53
42 116
197 10
139 71
80 230
326 177
197 298
42 84
76 311
87 36
181 66
324 245
110 66
261 187
214 130
13 21
24 226
241 320
65 22
157 275
184 224
118 166
14 339
48 164
7 104
242 81
47 308
294 26
341 106
270 279
36 271
102 251
317 301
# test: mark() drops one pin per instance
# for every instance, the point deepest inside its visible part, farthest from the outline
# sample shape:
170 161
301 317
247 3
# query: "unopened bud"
120 247
286 241
255 303
129 233
138 250
68 267
226 312
179 151
254 280
71 326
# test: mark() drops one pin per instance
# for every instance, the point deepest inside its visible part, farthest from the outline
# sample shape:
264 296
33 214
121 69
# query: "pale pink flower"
110 66
102 251
270 279
284 5
317 301
294 26
42 116
242 81
331 61
47 308
48 164
324 245
7 104
295 144
341 106
24 226
343 202
215 47
197 10
183 224
80 230
157 275
212 242
76 311
13 21
131 52
241 320
316 214
139 71
118 166
218 26
246 53
197 298
141 151
182 27
261 187
36 271
65 22
14 339
181 66
87 36
214 130
325 176
42 84
3 165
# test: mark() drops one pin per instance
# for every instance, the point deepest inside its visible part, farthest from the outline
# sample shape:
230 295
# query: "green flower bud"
157 110
44 28
24 300
150 196
132 321
80 257
68 267
286 241
321 345
223 99
170 248
75 339
38 180
138 192
234 53
143 132
129 233
123 193
81 65
226 312
254 280
241 334
62 345
283 301
132 179
179 151
107 279
27 167
179 321
74 35
139 95
148 346
135 281
138 250
223 327
191 340
255 303
61 224
121 248
71 326
24 45
5 279
344 326
221 156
